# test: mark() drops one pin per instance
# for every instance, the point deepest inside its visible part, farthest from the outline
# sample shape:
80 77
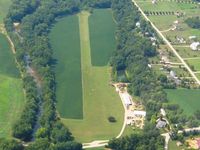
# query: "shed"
139 113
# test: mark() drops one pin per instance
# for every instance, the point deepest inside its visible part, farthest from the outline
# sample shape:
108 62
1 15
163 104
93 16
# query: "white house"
162 112
195 46
137 24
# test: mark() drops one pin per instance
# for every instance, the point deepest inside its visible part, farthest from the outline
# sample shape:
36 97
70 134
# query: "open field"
99 99
188 99
164 22
10 104
187 52
4 5
101 50
173 146
65 41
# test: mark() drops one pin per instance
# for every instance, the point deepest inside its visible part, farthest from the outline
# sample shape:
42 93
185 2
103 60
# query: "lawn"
4 5
188 99
195 63
65 42
10 104
99 98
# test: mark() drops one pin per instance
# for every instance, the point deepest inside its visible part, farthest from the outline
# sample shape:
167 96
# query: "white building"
137 24
195 46
192 37
139 113
162 112
127 99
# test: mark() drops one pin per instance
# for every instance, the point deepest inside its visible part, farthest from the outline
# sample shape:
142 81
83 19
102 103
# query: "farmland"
4 5
188 99
11 104
68 68
99 99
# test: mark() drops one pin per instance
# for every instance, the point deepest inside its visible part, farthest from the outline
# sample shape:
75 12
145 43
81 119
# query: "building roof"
127 98
161 124
162 111
194 45
139 112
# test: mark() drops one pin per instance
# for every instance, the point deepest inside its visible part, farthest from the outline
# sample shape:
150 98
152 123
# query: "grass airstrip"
11 94
82 46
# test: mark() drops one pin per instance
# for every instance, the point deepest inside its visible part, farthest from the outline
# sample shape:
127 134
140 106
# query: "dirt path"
168 43
167 30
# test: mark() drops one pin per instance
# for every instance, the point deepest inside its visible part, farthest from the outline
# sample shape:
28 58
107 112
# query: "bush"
112 119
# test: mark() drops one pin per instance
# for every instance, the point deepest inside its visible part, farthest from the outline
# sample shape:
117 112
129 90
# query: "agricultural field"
11 104
4 5
188 99
99 99
66 43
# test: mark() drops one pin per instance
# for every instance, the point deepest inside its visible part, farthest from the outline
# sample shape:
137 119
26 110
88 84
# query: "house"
161 124
172 74
181 40
153 1
137 24
162 112
195 46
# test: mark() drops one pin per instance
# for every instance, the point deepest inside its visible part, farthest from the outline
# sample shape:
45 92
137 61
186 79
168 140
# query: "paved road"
168 43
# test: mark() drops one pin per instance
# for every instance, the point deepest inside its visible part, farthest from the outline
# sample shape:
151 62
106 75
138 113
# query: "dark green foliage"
133 50
10 145
67 146
60 134
111 119
150 139
193 22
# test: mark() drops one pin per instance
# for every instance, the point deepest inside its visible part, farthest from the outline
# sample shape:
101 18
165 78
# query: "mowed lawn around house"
195 63
11 93
99 98
4 6
188 99
65 42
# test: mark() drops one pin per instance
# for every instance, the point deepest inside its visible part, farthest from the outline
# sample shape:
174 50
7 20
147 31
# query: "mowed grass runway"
11 94
188 99
99 99
4 6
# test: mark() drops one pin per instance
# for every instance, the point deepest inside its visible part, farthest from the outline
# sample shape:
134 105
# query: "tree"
10 145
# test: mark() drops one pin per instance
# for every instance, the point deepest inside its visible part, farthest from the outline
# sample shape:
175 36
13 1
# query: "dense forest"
133 50
193 22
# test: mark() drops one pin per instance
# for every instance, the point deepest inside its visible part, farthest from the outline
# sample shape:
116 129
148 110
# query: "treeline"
131 56
149 139
36 18
193 22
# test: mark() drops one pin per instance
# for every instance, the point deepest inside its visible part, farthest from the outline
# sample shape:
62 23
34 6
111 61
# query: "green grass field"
4 6
10 104
195 63
188 99
101 50
99 99
65 41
